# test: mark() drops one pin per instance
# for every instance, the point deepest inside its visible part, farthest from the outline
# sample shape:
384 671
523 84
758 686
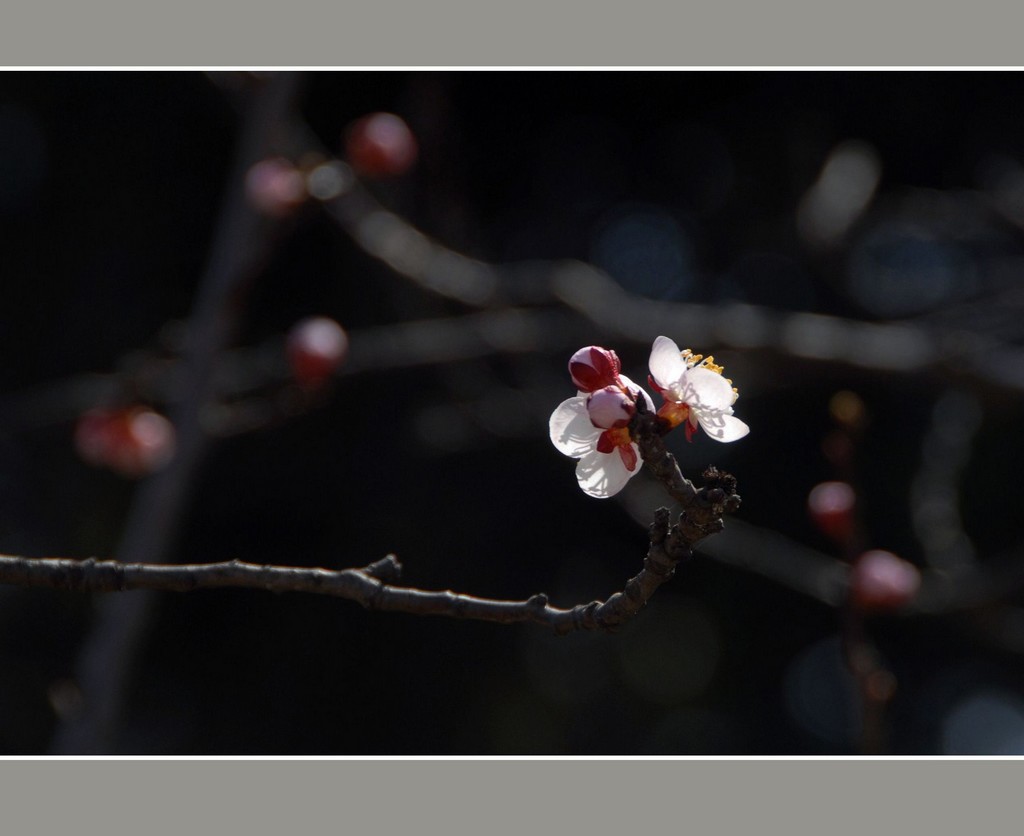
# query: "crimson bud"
316 347
380 145
594 368
830 505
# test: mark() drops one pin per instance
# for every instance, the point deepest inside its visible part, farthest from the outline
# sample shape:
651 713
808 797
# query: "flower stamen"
700 361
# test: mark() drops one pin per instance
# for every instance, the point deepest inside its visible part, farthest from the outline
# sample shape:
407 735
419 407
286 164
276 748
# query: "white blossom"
608 457
695 392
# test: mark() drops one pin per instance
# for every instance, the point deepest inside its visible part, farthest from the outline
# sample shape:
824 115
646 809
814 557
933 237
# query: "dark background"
687 188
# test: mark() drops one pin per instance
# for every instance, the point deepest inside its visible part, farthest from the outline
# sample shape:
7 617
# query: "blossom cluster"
594 426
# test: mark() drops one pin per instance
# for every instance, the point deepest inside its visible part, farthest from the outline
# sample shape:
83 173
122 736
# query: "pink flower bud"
879 580
594 368
610 407
275 187
133 441
831 505
381 145
316 347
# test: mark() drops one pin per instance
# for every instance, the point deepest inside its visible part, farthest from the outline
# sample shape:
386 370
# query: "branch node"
583 616
659 528
372 601
537 602
387 569
634 591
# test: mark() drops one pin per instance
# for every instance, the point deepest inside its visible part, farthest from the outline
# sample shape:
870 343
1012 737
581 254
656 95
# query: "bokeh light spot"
900 269
646 251
985 723
820 693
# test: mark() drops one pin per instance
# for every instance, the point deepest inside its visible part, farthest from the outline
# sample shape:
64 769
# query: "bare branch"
375 586
371 586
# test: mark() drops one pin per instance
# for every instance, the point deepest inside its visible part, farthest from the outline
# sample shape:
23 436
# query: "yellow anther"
711 365
708 363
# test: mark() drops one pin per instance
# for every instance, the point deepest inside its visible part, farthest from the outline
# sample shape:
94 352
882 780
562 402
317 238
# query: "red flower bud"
381 145
133 442
316 347
594 368
831 507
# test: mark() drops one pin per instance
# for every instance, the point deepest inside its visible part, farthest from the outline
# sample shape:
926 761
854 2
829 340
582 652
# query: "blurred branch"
410 253
247 370
897 347
935 492
242 242
778 558
907 347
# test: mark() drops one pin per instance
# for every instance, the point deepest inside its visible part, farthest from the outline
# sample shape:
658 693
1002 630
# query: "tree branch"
371 586
702 509
375 586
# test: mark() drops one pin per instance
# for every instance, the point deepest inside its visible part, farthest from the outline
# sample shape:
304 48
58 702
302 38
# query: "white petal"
710 397
603 474
570 428
705 390
631 385
724 427
667 364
